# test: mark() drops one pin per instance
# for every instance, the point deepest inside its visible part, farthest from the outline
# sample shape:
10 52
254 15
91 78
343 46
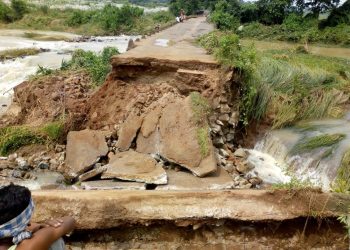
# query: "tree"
249 12
340 15
189 6
226 16
321 6
273 11
4 12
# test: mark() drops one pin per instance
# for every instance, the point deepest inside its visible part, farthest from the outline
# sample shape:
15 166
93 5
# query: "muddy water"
322 51
13 72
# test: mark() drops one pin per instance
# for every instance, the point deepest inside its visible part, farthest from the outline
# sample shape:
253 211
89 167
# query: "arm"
45 237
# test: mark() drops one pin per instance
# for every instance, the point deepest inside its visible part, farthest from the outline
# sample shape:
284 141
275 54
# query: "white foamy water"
318 166
13 72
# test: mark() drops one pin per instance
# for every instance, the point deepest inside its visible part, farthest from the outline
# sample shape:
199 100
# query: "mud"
301 233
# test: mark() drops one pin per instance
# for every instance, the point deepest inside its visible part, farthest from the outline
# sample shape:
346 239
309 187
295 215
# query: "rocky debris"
179 180
84 148
112 185
98 170
133 166
128 132
44 100
131 45
240 153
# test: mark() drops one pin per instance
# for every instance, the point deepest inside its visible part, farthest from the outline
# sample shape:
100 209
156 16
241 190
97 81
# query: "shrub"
19 8
6 14
97 65
317 142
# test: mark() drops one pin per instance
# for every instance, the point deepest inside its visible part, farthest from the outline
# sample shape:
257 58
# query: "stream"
13 72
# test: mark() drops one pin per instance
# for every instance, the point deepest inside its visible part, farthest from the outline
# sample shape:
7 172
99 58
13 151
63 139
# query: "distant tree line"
226 14
14 11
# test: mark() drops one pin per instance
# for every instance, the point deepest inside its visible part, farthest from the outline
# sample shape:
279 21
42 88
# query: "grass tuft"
312 143
203 140
15 53
342 182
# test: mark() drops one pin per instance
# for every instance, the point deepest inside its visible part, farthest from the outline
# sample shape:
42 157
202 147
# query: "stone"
255 181
128 131
240 153
112 185
230 137
229 168
92 173
224 118
148 145
59 148
179 140
43 165
134 166
224 153
150 121
218 142
244 167
131 45
83 150
234 119
12 157
225 109
219 123
216 128
186 181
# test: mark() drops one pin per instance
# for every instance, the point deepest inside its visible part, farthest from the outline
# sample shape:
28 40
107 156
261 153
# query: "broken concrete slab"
83 149
128 131
133 166
112 185
92 173
110 209
150 121
220 180
179 139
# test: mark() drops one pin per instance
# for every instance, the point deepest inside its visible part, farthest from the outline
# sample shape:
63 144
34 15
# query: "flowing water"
318 166
13 72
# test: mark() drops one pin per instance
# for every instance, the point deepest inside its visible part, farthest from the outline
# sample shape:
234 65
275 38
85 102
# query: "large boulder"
179 140
83 150
133 166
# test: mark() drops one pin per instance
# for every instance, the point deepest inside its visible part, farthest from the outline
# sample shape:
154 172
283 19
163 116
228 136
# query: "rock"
225 109
128 131
218 142
229 168
255 181
186 181
131 45
179 140
224 118
83 149
22 164
219 123
230 137
224 153
92 173
234 119
112 185
150 121
148 145
240 153
244 167
59 148
12 157
43 165
133 166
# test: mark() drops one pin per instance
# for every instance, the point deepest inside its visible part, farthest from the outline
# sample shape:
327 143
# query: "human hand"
53 223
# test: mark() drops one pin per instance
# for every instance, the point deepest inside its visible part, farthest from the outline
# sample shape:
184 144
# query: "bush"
223 18
163 17
19 8
249 12
6 14
97 65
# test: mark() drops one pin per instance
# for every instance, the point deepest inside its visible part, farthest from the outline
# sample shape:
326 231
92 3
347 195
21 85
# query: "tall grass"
282 86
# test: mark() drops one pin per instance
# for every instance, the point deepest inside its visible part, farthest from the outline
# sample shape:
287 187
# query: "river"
13 72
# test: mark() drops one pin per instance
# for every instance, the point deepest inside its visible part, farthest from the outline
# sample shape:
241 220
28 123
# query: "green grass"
92 22
14 53
309 144
294 184
201 110
282 86
308 31
342 182
15 137
203 140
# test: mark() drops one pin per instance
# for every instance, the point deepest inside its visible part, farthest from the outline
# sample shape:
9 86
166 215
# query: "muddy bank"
301 233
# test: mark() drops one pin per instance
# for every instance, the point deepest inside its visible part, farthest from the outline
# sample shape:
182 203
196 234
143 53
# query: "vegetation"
14 53
309 144
294 184
342 182
282 86
110 20
97 65
13 138
201 110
